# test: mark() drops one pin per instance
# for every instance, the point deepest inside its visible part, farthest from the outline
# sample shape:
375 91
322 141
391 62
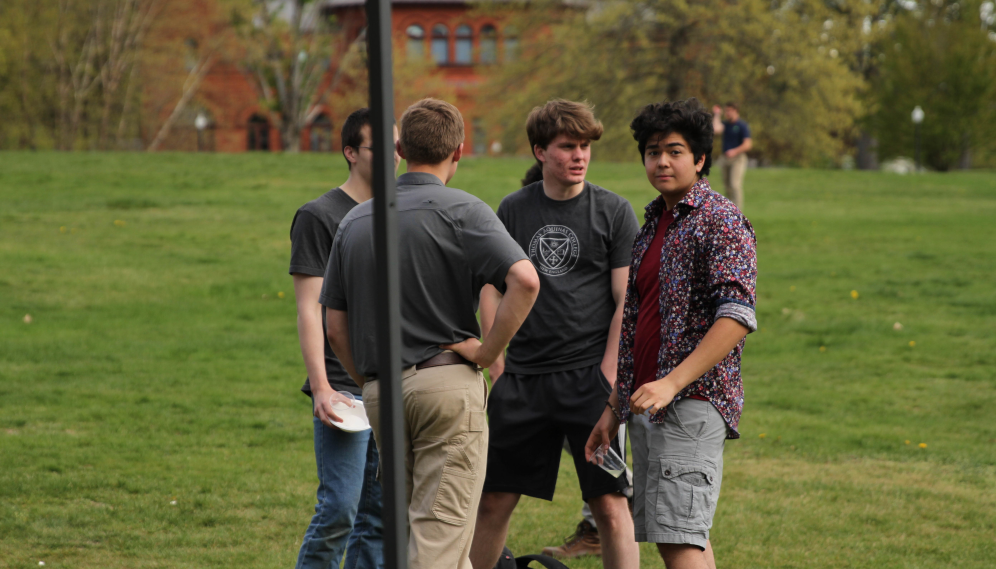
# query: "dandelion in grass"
912 343
119 223
762 435
854 294
281 294
792 288
907 441
923 445
823 349
63 229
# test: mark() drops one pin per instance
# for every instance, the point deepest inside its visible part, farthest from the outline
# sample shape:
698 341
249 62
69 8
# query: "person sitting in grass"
689 305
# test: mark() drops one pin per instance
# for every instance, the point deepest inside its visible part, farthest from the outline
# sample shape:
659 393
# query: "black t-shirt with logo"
574 245
312 233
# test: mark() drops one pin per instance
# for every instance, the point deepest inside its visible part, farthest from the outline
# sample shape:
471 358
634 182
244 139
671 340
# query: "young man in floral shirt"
689 306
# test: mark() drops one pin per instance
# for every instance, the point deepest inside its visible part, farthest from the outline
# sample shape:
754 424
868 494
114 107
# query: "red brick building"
462 43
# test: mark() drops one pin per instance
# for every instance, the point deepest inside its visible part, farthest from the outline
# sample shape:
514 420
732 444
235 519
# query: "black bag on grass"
510 561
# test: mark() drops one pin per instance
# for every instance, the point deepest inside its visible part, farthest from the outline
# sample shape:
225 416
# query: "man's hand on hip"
471 349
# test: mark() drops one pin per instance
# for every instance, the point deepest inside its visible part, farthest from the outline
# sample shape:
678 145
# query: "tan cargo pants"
733 177
446 451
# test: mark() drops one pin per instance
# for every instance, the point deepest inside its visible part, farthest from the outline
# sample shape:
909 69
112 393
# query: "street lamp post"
917 117
200 123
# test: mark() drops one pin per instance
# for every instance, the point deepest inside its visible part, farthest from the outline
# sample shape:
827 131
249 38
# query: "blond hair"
559 116
430 131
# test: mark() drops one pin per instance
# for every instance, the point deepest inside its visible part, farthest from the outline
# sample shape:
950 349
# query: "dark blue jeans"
347 516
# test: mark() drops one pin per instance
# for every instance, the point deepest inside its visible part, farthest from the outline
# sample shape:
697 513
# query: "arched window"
416 42
258 133
440 44
321 134
511 43
489 44
464 44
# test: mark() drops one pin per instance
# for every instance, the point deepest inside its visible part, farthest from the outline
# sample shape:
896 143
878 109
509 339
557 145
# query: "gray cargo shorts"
677 471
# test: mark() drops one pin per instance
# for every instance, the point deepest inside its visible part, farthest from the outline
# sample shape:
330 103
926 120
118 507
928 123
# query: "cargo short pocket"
686 494
456 487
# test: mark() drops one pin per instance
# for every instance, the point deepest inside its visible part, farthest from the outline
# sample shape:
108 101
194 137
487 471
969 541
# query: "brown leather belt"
445 359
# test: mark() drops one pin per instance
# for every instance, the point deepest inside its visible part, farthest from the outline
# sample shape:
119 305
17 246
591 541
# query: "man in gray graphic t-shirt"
561 364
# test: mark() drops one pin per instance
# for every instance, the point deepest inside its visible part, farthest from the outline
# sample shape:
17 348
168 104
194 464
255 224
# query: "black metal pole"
395 506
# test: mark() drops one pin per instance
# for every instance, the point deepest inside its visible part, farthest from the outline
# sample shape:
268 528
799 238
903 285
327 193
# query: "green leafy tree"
940 56
69 68
797 91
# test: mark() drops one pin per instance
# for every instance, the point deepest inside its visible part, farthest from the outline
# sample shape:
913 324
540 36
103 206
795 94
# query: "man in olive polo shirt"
450 245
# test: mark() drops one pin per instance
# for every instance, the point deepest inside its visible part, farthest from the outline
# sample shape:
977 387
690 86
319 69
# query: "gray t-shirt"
450 244
574 245
312 233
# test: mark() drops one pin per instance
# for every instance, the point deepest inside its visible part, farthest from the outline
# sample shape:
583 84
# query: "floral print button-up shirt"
708 271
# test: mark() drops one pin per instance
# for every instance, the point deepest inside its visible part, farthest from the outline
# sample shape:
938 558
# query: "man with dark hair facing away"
561 364
450 244
736 143
689 306
349 496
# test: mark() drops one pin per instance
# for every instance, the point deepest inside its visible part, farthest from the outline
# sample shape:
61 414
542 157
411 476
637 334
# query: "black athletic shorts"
529 416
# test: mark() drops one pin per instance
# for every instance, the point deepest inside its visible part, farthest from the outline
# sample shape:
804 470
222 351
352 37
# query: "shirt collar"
693 199
418 179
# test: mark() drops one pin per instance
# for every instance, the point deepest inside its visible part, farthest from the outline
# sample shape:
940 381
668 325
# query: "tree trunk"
965 160
190 87
867 155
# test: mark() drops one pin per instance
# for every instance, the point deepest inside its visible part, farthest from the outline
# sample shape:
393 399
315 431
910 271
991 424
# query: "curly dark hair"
687 118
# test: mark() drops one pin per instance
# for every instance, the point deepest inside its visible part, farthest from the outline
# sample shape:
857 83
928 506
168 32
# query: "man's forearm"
310 333
610 359
511 313
522 287
719 341
338 325
312 339
744 147
490 300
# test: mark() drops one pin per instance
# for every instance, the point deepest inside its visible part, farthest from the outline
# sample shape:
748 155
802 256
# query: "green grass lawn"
161 364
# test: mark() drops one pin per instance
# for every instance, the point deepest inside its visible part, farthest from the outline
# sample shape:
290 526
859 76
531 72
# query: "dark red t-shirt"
647 340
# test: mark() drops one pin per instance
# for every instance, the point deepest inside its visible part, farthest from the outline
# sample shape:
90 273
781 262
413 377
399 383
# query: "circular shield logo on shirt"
554 250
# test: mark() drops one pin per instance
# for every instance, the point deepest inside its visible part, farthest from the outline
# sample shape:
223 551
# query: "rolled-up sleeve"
732 265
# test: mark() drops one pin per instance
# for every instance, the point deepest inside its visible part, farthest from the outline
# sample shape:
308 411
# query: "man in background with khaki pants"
736 142
450 245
